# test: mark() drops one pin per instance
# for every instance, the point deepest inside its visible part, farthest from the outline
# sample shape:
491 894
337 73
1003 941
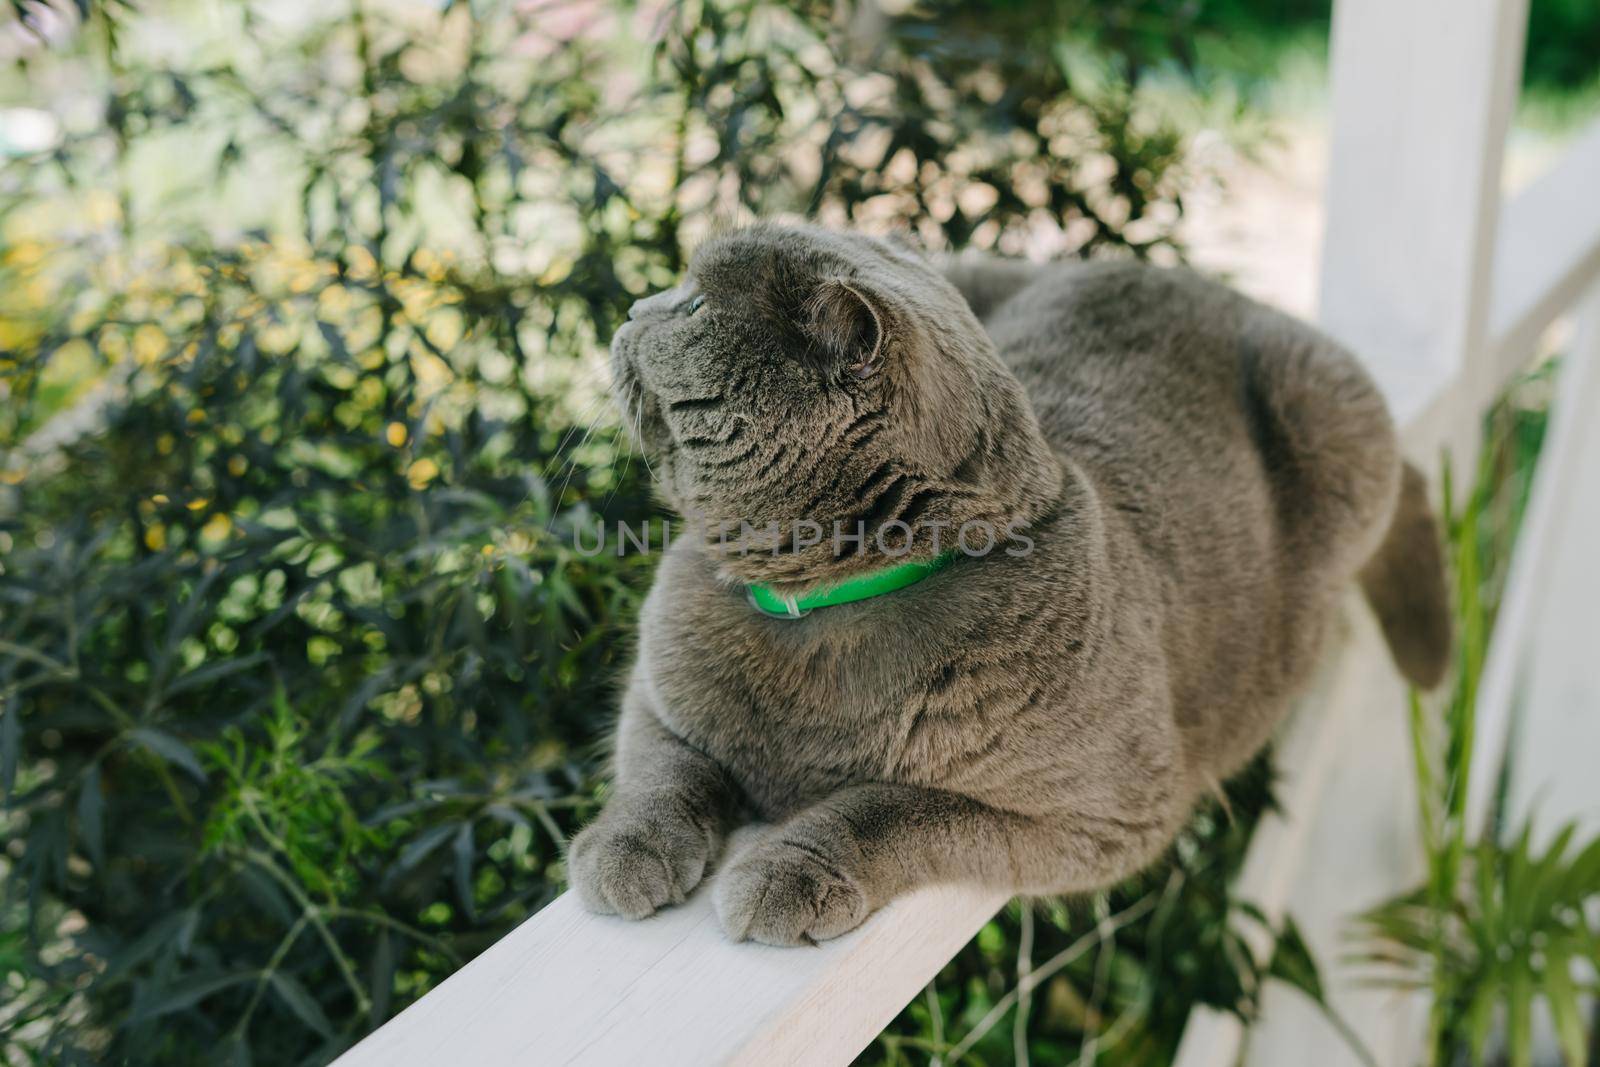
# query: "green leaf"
425 843
1480 1019
168 748
464 854
382 976
1583 874
211 673
187 929
91 817
1519 1009
186 994
266 894
1565 1008
158 935
10 742
304 1006
236 1051
1292 962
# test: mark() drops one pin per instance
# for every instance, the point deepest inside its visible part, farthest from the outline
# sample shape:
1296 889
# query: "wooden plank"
1541 656
1547 252
567 987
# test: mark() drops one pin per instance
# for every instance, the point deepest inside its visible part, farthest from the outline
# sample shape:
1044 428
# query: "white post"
1423 92
1543 641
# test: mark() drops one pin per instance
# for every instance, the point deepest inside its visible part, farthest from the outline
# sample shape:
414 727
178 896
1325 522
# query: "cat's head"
825 381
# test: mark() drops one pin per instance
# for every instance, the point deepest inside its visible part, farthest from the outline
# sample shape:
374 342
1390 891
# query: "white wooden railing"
1445 289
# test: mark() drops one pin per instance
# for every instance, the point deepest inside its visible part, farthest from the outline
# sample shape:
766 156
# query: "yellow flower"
24 254
444 329
148 344
113 345
217 528
422 472
433 373
334 300
557 271
428 263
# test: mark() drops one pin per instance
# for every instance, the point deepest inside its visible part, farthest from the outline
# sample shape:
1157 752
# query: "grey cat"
1197 475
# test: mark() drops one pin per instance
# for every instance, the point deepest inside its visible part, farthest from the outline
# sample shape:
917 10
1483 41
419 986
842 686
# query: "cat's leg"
1327 439
987 281
665 823
825 869
1349 502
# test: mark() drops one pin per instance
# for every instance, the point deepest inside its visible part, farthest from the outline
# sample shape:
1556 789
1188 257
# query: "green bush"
302 678
1562 52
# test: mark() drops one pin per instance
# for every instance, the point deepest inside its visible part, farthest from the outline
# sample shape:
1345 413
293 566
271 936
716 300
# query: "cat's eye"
695 305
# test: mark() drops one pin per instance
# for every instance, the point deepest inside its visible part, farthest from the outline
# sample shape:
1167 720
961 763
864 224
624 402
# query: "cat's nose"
659 304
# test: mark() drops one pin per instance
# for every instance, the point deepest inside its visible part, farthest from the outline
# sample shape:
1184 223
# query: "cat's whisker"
570 467
585 419
626 440
638 425
567 456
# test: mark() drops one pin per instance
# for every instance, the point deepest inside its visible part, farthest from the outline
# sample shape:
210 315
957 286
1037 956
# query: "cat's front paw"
634 862
785 893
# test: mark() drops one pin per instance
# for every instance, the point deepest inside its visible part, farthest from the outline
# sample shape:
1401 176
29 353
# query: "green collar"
848 591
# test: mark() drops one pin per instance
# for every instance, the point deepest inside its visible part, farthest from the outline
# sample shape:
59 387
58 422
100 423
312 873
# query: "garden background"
303 310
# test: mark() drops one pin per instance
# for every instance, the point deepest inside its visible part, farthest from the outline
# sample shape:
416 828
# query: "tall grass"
1496 925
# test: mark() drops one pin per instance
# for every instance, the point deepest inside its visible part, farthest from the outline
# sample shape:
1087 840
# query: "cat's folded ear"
904 241
847 321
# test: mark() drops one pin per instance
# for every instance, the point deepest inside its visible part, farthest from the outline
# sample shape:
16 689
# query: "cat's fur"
1200 476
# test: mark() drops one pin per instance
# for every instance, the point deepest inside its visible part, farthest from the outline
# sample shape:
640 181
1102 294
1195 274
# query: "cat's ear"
845 319
906 243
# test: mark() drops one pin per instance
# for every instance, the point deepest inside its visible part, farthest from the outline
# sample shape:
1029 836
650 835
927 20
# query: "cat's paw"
783 893
633 863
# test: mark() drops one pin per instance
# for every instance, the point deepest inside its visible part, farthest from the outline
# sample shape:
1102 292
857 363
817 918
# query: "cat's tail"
1405 583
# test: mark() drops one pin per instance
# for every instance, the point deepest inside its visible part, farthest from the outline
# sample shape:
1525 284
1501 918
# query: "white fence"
1445 289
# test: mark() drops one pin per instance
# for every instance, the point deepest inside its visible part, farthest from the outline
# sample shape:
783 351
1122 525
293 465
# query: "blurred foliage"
1497 924
302 319
1563 44
1514 928
1563 36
